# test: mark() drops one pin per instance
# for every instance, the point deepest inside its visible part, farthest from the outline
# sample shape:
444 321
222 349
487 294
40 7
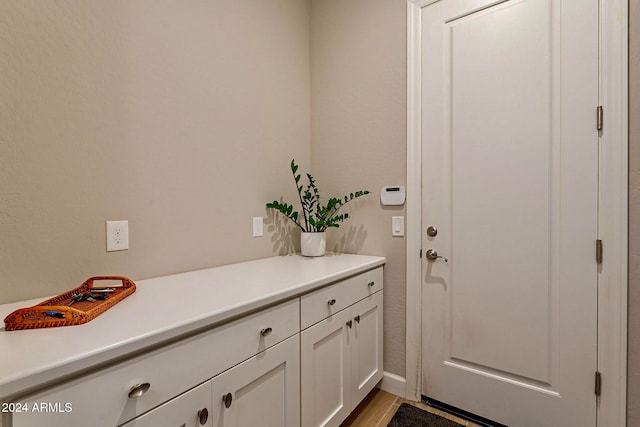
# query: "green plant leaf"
317 216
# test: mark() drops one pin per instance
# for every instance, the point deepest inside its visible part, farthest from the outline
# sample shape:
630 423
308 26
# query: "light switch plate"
397 225
258 228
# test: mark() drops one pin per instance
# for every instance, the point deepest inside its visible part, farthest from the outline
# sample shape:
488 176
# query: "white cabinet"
329 300
326 367
104 398
366 347
269 373
263 391
191 409
341 362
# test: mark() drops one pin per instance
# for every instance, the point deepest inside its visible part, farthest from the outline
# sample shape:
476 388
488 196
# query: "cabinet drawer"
187 410
101 398
320 304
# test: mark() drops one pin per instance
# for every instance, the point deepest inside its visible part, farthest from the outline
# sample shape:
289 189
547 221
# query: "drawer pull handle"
266 331
349 323
332 301
371 284
138 390
357 318
203 416
227 399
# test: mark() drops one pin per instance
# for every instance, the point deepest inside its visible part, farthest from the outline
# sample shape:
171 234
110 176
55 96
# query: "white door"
510 175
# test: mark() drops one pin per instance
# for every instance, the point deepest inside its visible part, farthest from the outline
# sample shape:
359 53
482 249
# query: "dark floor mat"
410 416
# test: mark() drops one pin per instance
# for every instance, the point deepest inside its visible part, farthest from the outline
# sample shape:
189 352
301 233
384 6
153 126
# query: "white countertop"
162 309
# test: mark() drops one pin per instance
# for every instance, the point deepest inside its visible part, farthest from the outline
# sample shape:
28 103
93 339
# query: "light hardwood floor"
377 409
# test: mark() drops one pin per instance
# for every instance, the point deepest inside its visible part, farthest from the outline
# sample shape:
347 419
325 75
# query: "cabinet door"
191 409
262 391
366 346
325 370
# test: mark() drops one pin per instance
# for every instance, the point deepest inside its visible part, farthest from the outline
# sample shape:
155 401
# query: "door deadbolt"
432 231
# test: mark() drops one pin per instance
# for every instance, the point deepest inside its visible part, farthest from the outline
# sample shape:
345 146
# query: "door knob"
432 255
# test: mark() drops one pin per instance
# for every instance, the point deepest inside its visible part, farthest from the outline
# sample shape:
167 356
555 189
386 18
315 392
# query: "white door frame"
613 210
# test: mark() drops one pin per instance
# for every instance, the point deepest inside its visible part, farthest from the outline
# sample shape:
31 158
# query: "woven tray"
76 314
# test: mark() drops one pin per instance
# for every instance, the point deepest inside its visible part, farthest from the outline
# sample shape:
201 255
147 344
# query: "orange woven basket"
40 315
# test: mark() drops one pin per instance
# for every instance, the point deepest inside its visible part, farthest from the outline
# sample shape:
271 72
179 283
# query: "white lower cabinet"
191 409
263 391
341 362
119 393
366 347
326 368
259 370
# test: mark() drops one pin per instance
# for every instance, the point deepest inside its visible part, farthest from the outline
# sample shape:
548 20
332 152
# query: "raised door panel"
366 346
190 409
264 390
325 370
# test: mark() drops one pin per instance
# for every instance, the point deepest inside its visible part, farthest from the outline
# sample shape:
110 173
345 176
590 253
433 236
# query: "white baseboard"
394 384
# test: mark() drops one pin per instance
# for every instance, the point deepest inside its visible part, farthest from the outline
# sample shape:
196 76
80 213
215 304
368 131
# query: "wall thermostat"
393 195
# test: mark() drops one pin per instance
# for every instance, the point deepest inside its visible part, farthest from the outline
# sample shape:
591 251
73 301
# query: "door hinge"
599 251
599 117
598 383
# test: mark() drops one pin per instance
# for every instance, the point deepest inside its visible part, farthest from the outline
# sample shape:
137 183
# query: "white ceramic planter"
313 244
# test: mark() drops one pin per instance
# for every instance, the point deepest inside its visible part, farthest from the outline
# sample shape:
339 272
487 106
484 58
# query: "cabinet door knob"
227 399
203 416
332 301
357 318
371 284
266 331
349 323
138 390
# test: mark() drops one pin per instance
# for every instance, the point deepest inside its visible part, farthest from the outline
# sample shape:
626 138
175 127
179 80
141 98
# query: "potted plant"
316 217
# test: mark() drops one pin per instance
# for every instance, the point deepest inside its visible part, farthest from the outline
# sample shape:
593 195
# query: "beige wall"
358 134
171 115
633 401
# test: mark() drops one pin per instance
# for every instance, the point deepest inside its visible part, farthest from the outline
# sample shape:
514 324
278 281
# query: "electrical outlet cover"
117 236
